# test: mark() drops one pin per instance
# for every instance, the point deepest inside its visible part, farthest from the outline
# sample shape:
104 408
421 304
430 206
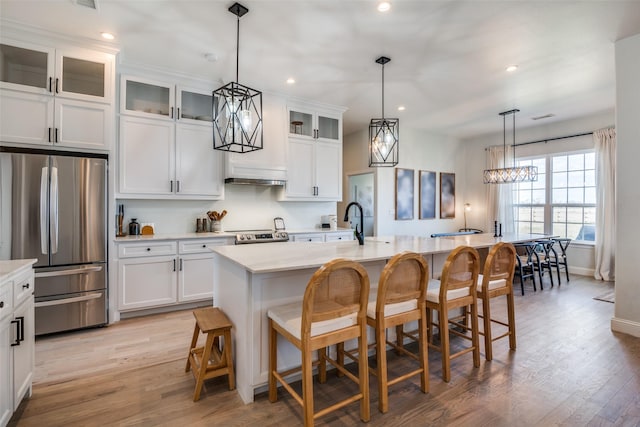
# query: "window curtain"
499 197
605 145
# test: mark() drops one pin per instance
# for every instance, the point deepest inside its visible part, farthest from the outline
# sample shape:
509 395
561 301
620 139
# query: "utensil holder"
216 226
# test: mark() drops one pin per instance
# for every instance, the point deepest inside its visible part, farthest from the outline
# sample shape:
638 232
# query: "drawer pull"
25 286
1 304
204 246
148 249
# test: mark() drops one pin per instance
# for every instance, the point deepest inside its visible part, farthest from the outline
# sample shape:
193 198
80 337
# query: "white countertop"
271 257
7 268
211 235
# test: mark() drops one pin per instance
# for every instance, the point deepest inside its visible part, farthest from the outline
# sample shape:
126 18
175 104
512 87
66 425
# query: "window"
563 200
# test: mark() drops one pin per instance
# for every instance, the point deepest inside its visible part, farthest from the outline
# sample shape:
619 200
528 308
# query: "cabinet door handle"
177 186
172 112
180 264
25 286
49 134
174 264
171 186
50 79
17 323
178 113
21 336
1 304
57 80
56 139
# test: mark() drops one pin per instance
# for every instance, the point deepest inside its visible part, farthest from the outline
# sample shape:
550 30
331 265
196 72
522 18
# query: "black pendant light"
383 134
505 175
237 109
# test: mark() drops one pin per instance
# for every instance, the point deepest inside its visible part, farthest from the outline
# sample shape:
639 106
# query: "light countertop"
211 235
7 268
271 257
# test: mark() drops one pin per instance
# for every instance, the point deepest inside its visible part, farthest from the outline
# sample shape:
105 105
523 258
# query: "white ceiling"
448 58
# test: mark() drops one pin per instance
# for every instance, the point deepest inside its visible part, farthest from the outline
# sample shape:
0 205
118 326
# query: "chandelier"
383 134
237 109
507 175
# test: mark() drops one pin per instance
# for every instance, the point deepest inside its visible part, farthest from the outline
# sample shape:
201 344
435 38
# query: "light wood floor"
569 369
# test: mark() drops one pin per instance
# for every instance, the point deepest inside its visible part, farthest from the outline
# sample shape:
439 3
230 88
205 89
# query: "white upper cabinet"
56 97
172 125
69 73
307 122
314 153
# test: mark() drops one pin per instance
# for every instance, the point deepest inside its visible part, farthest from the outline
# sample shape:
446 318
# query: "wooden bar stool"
209 361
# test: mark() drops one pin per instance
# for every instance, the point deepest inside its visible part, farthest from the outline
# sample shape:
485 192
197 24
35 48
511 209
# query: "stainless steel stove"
261 236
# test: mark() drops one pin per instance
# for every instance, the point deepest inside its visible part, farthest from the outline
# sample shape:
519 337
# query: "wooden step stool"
209 361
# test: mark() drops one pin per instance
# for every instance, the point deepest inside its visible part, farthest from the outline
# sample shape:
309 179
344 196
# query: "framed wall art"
404 194
427 195
447 195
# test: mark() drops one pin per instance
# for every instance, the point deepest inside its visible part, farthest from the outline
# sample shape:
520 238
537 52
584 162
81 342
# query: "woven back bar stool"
333 310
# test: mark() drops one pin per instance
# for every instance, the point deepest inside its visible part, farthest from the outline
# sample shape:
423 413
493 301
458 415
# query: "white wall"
419 150
248 207
627 307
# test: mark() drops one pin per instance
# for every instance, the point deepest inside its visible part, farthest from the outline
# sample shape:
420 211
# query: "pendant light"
383 134
237 109
507 175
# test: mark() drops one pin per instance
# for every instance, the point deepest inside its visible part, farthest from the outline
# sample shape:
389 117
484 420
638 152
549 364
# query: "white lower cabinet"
165 273
17 340
147 282
6 372
336 237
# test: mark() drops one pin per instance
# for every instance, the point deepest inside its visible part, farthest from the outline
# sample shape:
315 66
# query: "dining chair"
526 259
455 289
497 280
333 310
546 253
560 259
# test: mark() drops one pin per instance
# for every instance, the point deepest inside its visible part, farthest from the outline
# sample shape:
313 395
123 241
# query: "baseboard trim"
580 271
625 326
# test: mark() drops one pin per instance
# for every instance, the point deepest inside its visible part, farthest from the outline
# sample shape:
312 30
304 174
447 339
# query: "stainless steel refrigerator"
54 208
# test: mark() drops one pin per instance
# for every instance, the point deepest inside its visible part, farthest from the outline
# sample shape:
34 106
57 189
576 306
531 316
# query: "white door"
328 170
26 117
23 354
198 165
6 370
196 277
300 174
147 282
82 124
147 156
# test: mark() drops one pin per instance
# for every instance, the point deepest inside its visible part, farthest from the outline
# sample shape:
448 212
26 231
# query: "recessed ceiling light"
107 36
401 108
511 68
384 6
291 80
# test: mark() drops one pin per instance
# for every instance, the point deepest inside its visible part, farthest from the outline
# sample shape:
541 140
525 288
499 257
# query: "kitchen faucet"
359 234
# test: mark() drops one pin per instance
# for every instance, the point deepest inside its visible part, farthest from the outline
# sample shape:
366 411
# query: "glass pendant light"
237 109
506 175
383 134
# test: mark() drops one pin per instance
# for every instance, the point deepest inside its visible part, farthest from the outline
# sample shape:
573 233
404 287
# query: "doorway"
362 190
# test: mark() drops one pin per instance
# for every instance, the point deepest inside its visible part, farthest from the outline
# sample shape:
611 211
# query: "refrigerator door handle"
53 212
72 300
71 272
44 176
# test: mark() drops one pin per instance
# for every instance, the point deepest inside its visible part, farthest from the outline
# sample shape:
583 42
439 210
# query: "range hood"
255 181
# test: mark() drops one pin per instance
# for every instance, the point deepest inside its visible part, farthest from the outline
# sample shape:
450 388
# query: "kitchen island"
250 279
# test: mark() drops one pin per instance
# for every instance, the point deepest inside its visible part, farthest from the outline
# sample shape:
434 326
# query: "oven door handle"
72 300
71 272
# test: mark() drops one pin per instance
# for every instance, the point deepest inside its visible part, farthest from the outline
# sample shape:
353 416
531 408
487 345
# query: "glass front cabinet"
55 97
